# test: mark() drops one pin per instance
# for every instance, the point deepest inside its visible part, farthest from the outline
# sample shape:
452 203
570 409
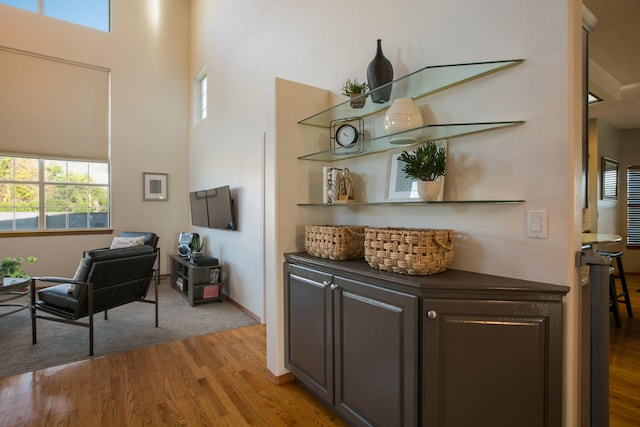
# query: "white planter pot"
429 190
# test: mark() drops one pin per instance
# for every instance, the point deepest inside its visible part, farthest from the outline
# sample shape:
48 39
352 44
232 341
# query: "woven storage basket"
414 251
337 242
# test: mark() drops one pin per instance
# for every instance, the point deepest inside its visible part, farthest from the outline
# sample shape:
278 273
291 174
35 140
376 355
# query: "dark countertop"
447 283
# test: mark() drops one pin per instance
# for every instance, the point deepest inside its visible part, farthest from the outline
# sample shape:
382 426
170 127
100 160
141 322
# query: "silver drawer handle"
431 314
325 283
334 286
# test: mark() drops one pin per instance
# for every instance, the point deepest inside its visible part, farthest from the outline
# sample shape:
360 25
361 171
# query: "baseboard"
243 308
279 379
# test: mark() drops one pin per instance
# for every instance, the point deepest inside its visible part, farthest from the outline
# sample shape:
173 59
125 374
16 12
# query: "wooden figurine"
345 187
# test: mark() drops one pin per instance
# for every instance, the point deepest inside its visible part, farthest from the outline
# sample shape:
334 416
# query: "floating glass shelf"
406 139
412 203
420 83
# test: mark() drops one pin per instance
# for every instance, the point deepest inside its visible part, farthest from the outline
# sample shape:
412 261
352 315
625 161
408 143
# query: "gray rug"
128 327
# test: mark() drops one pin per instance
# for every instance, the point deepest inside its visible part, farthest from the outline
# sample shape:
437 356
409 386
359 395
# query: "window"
48 194
633 205
200 91
203 98
89 13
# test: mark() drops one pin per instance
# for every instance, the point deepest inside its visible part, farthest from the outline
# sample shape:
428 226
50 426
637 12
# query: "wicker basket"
337 242
414 251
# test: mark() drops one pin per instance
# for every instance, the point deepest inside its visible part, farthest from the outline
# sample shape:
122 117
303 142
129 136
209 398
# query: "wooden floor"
219 380
212 380
624 363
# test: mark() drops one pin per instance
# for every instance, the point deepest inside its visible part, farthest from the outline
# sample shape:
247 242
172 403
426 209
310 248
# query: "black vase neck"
379 51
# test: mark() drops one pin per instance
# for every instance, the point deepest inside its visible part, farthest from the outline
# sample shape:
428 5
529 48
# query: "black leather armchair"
106 278
150 239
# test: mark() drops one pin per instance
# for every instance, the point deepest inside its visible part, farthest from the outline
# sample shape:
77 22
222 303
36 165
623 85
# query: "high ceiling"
614 45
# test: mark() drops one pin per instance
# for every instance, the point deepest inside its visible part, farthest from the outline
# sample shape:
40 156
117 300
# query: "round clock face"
346 135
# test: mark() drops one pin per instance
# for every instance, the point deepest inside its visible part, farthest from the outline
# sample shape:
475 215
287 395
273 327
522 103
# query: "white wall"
148 54
247 45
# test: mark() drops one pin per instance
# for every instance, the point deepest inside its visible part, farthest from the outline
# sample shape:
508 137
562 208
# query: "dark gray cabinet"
452 349
492 363
354 345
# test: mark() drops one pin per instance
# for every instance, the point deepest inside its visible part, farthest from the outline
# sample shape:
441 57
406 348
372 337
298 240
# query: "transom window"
89 13
39 194
203 98
200 95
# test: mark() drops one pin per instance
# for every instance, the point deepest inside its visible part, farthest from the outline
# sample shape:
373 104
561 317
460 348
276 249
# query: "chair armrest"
57 280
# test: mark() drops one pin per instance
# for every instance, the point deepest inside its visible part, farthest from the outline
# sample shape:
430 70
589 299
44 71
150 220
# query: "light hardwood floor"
219 380
212 380
624 363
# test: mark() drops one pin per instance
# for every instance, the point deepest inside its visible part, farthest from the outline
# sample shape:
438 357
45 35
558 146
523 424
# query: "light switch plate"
537 224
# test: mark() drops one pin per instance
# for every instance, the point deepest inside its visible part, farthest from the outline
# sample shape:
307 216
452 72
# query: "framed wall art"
155 186
401 187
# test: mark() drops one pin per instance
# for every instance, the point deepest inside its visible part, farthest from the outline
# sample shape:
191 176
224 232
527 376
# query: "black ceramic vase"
379 73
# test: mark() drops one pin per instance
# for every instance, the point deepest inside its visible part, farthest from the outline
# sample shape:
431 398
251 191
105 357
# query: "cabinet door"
492 363
309 329
376 339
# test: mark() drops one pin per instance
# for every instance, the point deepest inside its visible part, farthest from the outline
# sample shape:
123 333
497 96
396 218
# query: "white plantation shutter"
53 107
633 205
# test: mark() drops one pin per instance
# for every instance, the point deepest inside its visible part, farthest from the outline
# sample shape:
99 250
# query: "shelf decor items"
427 163
336 242
401 116
413 251
379 73
356 91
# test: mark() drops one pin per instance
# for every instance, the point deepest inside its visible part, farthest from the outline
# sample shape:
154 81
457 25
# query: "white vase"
402 115
429 190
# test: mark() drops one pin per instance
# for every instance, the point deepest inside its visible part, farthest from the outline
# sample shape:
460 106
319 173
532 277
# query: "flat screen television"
212 208
220 208
199 213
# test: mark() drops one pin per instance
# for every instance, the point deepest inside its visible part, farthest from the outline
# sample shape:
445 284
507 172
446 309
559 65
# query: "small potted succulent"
357 91
197 244
11 269
426 164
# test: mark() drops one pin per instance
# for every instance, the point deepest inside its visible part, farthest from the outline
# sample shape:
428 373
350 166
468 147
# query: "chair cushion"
150 239
126 242
59 296
82 272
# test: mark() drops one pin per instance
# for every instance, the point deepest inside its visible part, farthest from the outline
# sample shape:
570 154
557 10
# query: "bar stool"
615 297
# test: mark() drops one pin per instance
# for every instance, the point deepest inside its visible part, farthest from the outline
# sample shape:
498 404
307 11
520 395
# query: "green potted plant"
426 164
11 268
197 244
357 92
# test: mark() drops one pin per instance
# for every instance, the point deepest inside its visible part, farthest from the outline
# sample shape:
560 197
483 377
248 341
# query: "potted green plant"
427 164
197 244
11 268
357 92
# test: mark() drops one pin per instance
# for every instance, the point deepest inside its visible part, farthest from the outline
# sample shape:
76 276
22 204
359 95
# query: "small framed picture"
155 186
401 187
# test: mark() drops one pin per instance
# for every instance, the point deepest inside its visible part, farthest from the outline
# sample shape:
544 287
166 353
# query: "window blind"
633 205
53 107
